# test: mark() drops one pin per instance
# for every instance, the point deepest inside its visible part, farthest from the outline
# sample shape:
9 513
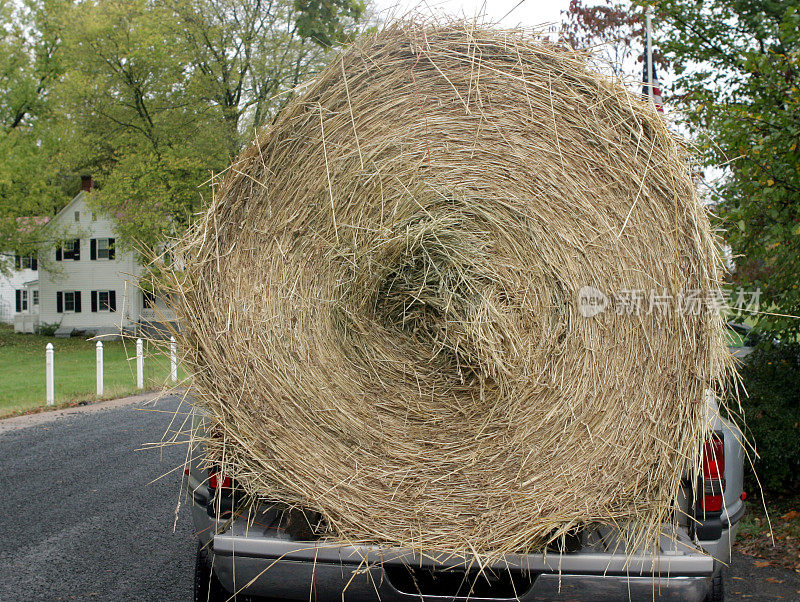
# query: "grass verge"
22 357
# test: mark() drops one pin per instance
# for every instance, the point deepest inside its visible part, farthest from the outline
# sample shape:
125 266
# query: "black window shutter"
77 302
17 262
93 249
59 302
111 251
58 252
112 300
18 299
34 263
94 301
77 254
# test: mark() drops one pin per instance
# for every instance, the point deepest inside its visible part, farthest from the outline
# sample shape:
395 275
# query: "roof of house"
64 209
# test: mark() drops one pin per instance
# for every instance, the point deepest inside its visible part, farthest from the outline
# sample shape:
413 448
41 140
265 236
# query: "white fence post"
173 359
48 354
139 365
99 368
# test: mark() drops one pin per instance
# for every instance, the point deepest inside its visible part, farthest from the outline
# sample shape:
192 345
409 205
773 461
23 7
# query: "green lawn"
22 357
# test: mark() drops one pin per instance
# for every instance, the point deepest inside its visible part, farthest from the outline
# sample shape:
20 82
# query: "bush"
48 330
771 376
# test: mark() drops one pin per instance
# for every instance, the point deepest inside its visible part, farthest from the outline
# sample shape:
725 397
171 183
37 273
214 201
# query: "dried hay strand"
381 306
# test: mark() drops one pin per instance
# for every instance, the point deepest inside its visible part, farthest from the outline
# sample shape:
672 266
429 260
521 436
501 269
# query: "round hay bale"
405 307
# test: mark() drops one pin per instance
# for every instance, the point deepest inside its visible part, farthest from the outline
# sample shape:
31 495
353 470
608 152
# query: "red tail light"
711 503
213 481
713 459
711 485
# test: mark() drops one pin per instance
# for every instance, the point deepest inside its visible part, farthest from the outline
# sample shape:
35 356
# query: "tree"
165 94
149 96
327 22
245 53
610 28
29 67
130 116
737 64
27 62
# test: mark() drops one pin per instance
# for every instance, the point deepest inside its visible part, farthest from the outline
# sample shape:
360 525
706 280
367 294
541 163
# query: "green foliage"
772 413
327 21
29 67
152 194
245 56
737 64
28 63
151 98
135 120
48 329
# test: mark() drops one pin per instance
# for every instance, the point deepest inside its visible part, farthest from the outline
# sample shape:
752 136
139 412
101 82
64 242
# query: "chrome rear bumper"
260 561
304 580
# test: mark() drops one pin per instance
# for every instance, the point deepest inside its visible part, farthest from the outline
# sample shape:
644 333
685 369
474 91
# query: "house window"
35 297
77 216
21 300
68 301
70 249
101 248
25 263
94 216
104 301
148 299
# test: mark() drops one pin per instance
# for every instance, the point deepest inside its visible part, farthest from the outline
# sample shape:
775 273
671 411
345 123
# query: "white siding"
8 284
86 275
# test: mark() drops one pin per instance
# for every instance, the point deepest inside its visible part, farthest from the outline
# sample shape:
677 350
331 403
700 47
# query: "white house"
17 293
86 284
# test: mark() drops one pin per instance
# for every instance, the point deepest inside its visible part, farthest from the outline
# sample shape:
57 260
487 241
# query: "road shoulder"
19 422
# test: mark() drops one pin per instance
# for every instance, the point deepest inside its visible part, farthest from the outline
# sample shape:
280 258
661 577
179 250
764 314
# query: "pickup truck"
272 551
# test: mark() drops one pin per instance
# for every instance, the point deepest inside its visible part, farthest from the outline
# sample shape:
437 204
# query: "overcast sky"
511 13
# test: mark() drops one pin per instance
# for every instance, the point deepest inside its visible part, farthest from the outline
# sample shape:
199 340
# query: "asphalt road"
80 518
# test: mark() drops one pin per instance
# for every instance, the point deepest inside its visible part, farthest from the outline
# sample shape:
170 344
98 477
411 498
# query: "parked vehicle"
741 339
272 551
